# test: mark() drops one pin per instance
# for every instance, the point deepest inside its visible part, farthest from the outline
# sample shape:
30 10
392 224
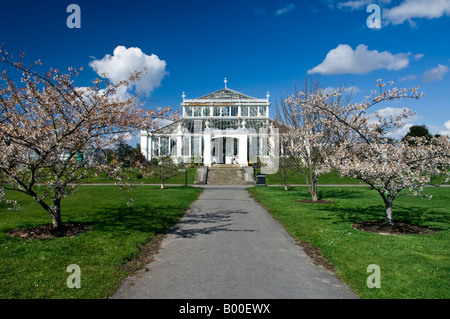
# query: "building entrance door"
224 150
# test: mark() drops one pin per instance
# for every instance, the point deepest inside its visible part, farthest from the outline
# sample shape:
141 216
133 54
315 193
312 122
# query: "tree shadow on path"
221 221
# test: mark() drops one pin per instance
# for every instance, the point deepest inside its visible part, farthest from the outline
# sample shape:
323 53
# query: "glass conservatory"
223 127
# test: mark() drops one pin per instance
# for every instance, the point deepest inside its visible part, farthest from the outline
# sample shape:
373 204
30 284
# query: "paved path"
229 247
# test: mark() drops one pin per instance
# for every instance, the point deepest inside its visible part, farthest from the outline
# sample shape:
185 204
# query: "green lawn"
178 179
296 178
412 266
328 178
37 268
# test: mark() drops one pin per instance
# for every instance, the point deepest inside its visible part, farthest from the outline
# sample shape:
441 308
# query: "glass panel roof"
226 94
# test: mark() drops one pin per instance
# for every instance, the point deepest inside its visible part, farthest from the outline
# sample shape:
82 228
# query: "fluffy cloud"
344 59
348 90
407 78
400 133
435 74
447 129
286 9
353 5
358 4
405 11
409 9
393 112
124 61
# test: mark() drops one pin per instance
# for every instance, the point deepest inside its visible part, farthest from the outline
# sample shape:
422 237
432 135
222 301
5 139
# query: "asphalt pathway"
229 247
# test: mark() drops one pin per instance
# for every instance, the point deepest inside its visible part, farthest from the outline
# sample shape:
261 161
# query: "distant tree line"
127 156
124 154
419 131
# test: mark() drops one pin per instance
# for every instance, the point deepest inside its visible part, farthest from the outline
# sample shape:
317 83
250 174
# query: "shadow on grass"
418 216
360 204
141 218
327 193
350 193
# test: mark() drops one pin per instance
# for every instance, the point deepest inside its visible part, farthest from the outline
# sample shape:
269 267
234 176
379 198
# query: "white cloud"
410 9
89 94
393 112
134 140
349 90
286 9
435 74
447 129
358 4
344 59
124 61
354 5
407 78
399 133
163 122
405 11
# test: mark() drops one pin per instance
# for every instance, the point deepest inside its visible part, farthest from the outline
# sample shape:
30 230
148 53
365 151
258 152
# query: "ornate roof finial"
268 95
183 96
225 81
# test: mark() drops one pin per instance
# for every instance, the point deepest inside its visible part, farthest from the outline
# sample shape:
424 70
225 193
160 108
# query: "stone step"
217 166
225 175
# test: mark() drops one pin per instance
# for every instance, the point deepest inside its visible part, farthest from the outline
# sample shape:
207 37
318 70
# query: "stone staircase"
226 174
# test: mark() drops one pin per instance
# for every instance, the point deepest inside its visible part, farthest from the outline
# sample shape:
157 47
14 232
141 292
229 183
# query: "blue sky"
257 45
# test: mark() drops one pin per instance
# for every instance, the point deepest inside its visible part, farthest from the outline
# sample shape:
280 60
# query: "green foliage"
418 131
285 170
124 154
163 168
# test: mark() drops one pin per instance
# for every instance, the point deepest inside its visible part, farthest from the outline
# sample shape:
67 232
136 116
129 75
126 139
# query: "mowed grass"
37 268
411 266
327 178
296 178
180 178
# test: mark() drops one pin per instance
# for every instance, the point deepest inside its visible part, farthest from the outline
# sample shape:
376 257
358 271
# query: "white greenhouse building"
223 127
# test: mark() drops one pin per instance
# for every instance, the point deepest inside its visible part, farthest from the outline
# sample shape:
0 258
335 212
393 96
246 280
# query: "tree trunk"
56 221
389 214
162 184
56 214
285 183
314 190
